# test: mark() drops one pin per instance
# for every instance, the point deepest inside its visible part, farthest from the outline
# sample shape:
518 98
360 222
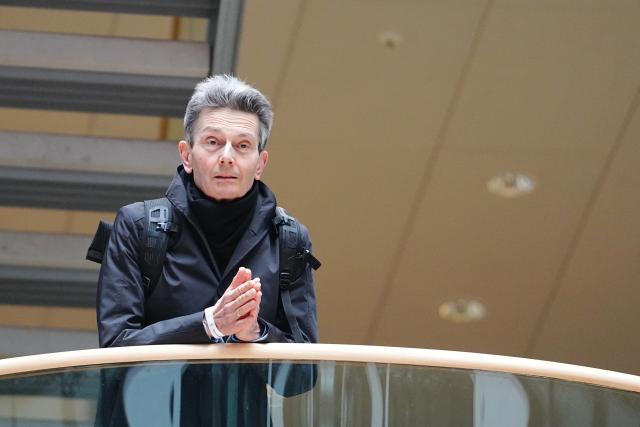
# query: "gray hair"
225 91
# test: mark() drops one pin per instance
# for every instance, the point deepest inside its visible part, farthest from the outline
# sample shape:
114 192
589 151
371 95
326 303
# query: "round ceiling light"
462 310
511 184
390 39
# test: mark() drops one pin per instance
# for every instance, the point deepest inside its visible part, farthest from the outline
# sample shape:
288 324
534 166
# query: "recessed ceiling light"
511 184
462 310
390 39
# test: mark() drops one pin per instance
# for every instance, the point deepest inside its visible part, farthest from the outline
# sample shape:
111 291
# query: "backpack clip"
159 218
308 257
285 280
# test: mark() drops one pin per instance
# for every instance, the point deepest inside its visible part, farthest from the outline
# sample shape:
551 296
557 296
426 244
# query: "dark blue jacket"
190 280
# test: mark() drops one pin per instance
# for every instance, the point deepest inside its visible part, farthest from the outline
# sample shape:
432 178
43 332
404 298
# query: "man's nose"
227 154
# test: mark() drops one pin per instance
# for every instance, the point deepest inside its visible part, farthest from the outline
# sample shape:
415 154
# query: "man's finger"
233 294
254 310
241 299
253 314
258 300
243 275
230 305
245 309
228 320
232 321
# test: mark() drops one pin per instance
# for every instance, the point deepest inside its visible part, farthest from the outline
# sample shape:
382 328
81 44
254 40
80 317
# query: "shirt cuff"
210 326
264 332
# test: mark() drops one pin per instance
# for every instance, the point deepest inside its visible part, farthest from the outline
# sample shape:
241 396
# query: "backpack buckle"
285 280
311 260
159 217
167 227
308 258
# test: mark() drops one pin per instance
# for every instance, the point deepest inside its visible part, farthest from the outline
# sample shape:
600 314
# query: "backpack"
159 224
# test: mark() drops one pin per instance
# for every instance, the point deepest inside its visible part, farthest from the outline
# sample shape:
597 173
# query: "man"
219 281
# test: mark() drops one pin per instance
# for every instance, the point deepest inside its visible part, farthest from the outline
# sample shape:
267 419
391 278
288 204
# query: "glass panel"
297 394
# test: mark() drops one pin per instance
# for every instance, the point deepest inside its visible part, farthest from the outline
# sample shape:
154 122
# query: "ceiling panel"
594 319
45 250
62 21
560 5
104 54
355 123
17 119
26 341
270 30
102 23
54 221
48 317
76 123
113 125
469 243
550 77
65 152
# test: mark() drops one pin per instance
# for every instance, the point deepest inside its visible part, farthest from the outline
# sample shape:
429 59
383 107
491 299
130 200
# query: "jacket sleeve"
303 301
121 297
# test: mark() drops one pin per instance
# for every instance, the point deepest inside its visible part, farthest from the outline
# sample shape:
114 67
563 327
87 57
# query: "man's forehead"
227 120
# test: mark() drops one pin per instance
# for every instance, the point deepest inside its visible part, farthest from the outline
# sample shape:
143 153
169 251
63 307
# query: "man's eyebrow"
219 130
210 129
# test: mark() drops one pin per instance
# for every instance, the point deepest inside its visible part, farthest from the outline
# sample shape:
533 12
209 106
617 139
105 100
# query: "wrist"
210 324
250 335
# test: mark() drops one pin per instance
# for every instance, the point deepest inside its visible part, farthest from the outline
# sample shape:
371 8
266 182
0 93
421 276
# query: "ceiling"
390 119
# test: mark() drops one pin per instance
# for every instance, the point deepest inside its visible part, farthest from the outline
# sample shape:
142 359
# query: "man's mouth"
226 177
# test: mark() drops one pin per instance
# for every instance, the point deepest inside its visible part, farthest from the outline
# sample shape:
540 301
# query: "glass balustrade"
304 393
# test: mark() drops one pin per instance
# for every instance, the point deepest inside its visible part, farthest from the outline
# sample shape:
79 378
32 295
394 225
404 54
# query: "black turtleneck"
223 222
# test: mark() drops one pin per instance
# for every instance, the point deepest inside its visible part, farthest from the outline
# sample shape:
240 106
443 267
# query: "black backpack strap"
293 261
99 243
159 222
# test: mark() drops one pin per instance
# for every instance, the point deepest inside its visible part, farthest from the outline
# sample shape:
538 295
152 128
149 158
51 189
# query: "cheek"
202 162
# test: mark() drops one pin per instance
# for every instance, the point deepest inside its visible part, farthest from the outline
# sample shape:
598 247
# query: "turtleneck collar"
223 222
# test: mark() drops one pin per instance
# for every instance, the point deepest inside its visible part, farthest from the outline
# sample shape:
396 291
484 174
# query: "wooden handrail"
321 352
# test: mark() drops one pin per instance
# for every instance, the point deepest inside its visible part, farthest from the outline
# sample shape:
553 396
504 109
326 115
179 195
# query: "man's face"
224 158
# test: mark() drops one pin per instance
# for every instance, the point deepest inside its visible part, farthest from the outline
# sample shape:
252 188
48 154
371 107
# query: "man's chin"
224 195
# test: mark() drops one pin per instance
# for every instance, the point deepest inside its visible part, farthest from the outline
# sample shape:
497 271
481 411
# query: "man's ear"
262 163
185 155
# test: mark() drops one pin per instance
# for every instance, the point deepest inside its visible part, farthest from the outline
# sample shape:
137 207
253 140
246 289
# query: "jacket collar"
260 224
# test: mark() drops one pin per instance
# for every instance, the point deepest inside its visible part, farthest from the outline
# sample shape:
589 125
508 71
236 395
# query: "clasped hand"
236 312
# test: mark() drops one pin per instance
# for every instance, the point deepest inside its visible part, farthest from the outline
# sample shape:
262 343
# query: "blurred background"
468 169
